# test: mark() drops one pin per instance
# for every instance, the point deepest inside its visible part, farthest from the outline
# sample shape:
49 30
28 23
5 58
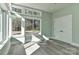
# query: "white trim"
30 17
75 44
1 27
22 26
10 27
7 29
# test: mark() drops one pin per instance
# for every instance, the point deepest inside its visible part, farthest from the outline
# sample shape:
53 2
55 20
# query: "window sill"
16 36
21 38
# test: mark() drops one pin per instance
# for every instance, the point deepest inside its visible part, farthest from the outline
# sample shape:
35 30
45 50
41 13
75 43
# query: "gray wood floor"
16 48
55 47
50 47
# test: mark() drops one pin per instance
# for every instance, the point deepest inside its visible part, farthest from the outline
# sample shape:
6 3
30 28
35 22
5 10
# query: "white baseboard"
75 44
52 37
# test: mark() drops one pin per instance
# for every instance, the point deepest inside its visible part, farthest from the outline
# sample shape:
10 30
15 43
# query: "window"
26 11
18 10
29 12
37 13
36 25
28 25
16 26
32 12
32 25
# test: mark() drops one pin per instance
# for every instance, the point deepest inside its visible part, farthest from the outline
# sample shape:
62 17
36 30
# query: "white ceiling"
49 7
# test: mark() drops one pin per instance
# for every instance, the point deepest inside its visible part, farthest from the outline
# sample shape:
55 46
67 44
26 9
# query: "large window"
16 26
3 26
32 25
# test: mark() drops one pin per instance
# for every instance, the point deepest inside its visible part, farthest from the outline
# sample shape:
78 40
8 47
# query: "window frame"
1 25
4 28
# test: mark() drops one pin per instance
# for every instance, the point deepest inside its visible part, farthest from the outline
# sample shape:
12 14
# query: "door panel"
63 28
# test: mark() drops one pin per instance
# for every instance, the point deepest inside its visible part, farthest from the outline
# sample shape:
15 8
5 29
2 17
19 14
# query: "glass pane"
39 14
35 13
36 25
26 11
30 12
28 25
16 26
17 10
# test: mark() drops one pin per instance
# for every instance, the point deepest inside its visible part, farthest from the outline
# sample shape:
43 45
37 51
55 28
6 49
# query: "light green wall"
74 11
46 24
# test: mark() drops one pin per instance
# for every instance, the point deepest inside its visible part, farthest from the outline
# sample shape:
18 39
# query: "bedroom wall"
46 24
74 11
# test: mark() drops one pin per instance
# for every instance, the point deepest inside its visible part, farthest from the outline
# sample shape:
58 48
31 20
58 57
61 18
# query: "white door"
63 28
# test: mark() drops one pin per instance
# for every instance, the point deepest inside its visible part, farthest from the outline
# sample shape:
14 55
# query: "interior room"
39 29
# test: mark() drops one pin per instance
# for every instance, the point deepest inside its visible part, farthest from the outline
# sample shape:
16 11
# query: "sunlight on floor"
31 47
45 37
34 38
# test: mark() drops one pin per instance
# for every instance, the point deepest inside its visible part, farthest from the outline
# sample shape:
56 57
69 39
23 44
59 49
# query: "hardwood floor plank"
58 48
49 47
